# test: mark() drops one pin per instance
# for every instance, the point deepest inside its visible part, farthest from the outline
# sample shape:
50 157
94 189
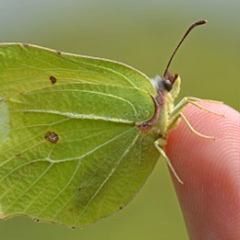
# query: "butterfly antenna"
195 24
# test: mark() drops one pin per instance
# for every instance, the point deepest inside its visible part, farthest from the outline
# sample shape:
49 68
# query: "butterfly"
79 135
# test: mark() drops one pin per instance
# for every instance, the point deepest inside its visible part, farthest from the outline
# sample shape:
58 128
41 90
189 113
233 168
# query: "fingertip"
210 195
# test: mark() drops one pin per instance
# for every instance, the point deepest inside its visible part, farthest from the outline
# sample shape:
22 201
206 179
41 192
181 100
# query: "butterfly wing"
70 151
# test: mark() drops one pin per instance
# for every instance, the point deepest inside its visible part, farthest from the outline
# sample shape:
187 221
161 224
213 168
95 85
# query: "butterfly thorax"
168 90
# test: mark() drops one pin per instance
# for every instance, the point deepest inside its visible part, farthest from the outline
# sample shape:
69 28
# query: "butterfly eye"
167 84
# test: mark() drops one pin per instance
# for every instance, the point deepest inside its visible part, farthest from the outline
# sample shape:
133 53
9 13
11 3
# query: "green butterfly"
78 135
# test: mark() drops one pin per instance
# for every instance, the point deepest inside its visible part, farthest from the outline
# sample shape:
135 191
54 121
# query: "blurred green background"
142 34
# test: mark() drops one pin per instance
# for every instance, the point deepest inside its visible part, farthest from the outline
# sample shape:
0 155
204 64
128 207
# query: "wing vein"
79 115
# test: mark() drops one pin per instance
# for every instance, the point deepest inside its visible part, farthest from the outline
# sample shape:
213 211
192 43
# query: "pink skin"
210 170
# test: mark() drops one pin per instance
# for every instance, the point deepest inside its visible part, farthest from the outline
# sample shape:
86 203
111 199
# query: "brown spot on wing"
52 137
53 79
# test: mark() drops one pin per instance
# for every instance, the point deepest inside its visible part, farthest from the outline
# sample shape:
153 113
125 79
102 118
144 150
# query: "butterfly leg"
160 143
193 101
176 114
